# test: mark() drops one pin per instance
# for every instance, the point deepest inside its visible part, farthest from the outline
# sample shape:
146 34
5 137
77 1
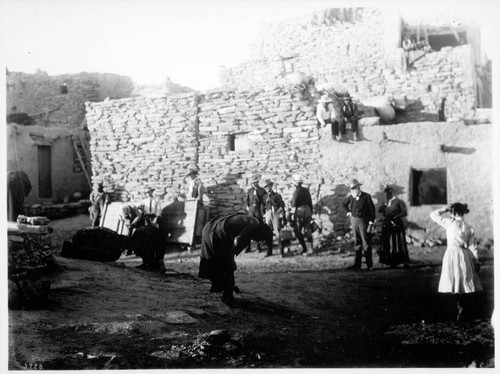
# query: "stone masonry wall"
142 141
364 58
39 95
282 140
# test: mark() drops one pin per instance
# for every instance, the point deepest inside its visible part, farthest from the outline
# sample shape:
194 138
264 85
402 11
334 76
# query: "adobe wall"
386 155
364 58
137 142
23 155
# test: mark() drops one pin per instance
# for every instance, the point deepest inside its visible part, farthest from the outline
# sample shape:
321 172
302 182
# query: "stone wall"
39 95
364 58
280 126
142 141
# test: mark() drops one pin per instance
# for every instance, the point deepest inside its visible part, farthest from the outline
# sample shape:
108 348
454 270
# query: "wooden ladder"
82 153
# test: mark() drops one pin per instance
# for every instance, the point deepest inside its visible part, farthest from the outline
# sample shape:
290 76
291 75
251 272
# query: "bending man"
223 238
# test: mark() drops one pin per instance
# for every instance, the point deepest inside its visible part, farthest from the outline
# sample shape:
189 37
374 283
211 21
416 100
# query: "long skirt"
394 249
458 274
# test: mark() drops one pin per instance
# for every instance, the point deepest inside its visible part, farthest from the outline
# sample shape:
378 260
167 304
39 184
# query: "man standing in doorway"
361 210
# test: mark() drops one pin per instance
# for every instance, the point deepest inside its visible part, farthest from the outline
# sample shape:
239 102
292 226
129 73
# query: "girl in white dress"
460 261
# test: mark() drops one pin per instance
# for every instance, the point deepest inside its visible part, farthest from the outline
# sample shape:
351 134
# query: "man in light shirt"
150 207
326 114
195 190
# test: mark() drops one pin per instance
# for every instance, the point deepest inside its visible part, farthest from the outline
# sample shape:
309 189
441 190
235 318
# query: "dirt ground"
293 312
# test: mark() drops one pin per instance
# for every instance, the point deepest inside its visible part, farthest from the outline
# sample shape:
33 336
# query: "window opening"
428 187
238 142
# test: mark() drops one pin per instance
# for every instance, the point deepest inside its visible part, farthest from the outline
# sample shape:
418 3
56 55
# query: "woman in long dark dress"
394 248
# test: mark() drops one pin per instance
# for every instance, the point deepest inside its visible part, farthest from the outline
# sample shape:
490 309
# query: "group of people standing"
226 236
361 212
267 206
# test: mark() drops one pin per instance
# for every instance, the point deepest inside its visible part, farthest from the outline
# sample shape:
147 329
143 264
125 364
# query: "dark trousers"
354 123
361 241
338 128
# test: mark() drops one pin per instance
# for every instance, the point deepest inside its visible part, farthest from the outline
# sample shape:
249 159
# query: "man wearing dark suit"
255 203
361 210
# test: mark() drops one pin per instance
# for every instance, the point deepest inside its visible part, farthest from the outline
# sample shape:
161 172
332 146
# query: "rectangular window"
428 187
44 171
238 142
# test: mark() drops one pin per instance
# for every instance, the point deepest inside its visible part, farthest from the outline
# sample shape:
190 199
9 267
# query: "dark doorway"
428 187
44 171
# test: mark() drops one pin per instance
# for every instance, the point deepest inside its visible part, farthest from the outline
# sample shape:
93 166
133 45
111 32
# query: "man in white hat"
302 202
326 114
150 207
361 210
255 202
275 212
195 189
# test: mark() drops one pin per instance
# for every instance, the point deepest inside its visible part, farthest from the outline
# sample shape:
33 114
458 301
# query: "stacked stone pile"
28 251
143 141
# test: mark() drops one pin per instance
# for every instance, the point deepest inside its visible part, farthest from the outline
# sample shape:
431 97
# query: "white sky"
151 39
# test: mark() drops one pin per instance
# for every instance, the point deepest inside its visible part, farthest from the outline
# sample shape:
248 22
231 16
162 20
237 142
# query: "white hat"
298 178
325 99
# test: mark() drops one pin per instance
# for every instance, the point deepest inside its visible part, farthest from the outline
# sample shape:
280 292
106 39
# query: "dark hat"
388 189
268 182
148 189
192 170
353 183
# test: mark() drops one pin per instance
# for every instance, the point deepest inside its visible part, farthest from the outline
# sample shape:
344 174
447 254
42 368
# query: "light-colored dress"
458 273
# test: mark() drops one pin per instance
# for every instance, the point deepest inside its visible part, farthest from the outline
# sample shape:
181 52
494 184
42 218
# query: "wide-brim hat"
298 178
192 170
255 177
148 189
267 182
325 99
353 183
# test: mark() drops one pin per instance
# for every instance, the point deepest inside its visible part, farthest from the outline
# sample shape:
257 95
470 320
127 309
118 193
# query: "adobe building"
267 124
46 130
